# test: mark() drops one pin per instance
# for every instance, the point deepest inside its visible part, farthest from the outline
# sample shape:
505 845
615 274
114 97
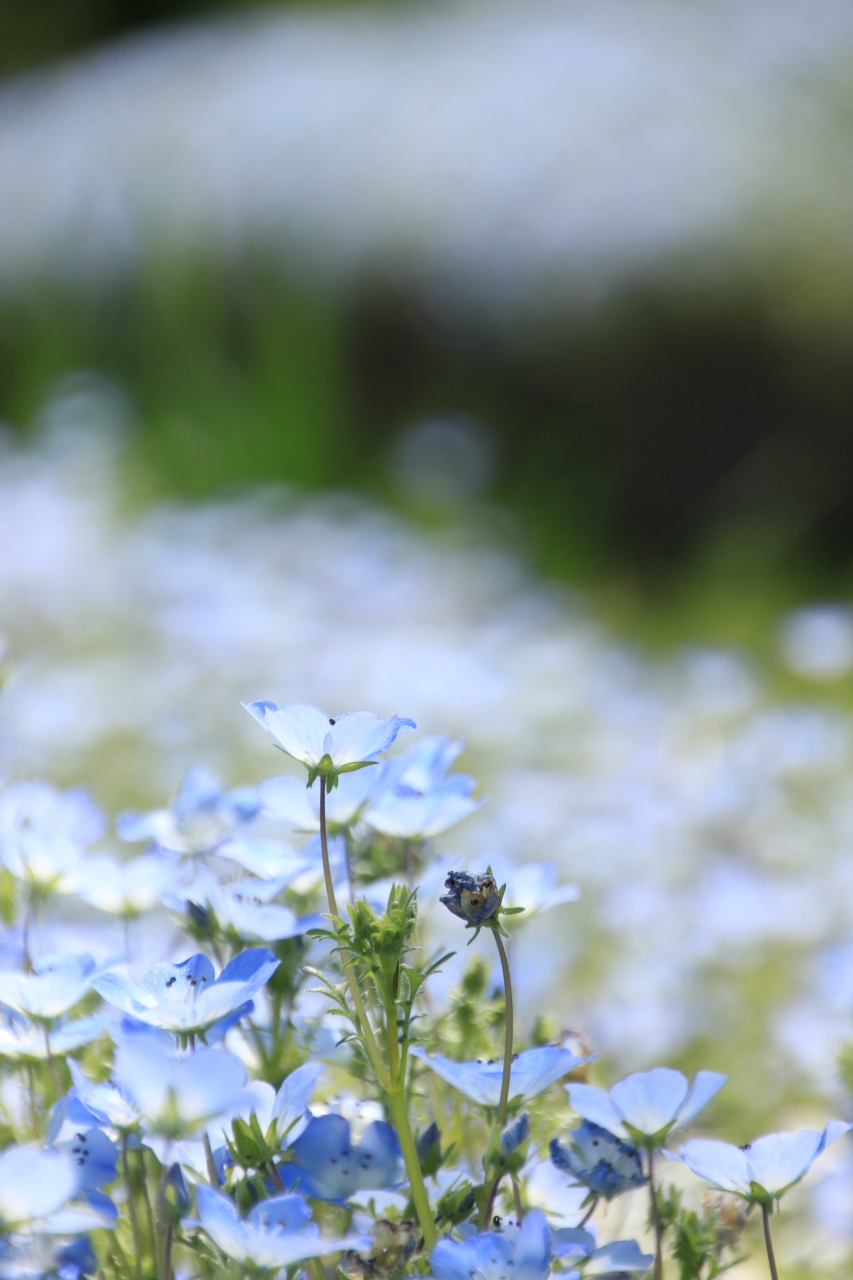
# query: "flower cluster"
209 1110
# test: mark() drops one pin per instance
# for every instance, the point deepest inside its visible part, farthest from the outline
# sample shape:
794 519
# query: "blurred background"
491 363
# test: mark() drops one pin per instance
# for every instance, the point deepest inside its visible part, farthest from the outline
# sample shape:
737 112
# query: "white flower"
20 1038
122 888
34 1183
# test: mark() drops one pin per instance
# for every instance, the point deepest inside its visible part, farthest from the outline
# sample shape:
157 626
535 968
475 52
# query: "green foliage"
697 1242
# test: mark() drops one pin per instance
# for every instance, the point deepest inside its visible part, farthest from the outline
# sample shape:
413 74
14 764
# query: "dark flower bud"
475 899
393 1244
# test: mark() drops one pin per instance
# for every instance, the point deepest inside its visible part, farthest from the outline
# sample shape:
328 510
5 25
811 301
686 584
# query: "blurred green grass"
615 442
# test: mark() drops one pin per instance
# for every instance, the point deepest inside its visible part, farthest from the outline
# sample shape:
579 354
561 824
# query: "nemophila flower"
188 997
289 800
105 1101
763 1170
328 745
645 1107
22 1039
43 832
270 859
122 888
246 907
56 984
286 1108
599 1160
532 886
531 1072
95 1160
526 1252
413 798
34 1183
331 1166
199 818
177 1096
473 898
277 1233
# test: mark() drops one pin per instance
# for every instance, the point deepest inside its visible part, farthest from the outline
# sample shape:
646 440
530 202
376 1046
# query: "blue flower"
531 1072
494 1256
95 1160
105 1101
328 745
177 1096
289 800
21 1039
645 1107
277 1233
34 1183
331 1166
599 1160
122 888
766 1168
200 818
245 907
56 984
43 832
413 798
188 997
287 1107
527 1253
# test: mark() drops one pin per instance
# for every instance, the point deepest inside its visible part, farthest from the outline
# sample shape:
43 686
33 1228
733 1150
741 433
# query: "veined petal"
293 1097
361 735
705 1086
596 1105
717 1162
650 1100
532 1251
298 728
618 1256
778 1160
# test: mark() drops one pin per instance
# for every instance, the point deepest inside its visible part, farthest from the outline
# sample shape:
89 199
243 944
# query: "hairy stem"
361 1013
771 1257
653 1197
131 1208
397 1103
500 1118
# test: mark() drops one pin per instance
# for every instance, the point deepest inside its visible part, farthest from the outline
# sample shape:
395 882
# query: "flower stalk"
768 1241
491 1181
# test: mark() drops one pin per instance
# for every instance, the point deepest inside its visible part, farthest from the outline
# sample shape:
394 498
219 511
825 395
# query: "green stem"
51 1065
500 1118
771 1257
122 1264
361 1013
131 1208
653 1197
417 1187
149 1212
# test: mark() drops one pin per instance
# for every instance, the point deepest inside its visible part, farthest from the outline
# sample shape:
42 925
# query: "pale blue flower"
200 818
34 1183
313 738
107 1103
269 859
597 1159
645 1107
289 800
287 1108
331 1166
527 1252
188 997
21 1039
414 799
531 885
766 1168
176 1095
491 1255
43 832
531 1072
277 1233
122 888
95 1160
56 984
245 906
